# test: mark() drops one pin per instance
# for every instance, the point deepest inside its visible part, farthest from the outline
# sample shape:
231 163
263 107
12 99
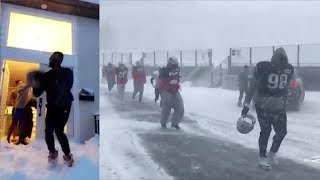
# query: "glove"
244 111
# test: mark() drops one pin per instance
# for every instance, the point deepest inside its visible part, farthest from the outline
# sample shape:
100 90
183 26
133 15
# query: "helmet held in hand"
245 124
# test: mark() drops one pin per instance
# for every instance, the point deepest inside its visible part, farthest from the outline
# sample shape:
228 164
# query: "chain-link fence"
187 58
298 55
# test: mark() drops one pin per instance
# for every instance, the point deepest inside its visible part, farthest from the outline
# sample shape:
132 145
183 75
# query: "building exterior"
29 35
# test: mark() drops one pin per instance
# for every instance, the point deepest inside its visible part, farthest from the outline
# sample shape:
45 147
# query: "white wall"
87 48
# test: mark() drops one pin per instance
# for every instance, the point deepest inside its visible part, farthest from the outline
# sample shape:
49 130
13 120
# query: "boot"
53 157
68 160
163 126
175 126
263 163
14 140
273 158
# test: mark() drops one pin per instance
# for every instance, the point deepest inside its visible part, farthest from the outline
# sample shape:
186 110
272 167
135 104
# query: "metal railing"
298 55
187 58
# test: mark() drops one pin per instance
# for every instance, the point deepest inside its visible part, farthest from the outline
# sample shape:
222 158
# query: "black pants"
110 84
56 119
24 128
242 91
138 88
14 127
156 94
266 121
29 124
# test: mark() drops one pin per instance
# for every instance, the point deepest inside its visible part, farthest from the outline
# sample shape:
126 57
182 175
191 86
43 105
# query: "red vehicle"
296 93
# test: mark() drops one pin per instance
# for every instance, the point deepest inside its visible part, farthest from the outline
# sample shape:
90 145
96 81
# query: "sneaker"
163 126
25 142
68 160
273 158
53 156
263 163
175 126
17 143
14 140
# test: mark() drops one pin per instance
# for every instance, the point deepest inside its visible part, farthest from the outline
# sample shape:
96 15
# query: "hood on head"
280 57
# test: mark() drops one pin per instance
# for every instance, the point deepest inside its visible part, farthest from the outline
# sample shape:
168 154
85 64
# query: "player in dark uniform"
243 79
110 76
270 87
121 74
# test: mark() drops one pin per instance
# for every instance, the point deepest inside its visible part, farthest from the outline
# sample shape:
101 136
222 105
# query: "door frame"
3 114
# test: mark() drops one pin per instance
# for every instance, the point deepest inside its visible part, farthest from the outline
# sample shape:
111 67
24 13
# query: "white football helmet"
246 124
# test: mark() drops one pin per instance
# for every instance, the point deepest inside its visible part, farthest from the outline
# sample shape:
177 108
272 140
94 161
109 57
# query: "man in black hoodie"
243 80
269 85
57 83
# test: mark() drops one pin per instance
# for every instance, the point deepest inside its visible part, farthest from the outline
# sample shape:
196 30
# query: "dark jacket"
243 79
110 74
269 80
57 84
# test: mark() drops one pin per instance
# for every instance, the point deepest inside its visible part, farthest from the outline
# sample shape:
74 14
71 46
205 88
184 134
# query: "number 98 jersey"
271 79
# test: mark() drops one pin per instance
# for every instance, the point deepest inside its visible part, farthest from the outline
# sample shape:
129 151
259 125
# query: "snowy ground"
216 111
30 162
122 155
210 113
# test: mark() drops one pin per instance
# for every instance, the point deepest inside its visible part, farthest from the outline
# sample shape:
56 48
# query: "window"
38 33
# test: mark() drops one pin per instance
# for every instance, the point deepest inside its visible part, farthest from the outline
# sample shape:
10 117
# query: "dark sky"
158 25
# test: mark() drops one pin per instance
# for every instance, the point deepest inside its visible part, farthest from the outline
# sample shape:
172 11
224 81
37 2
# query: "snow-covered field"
30 162
122 156
215 110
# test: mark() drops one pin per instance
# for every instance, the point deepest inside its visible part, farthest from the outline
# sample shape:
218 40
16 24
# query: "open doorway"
13 71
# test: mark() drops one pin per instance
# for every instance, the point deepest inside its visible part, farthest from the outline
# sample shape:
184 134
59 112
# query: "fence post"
112 57
298 56
250 61
273 48
230 60
131 58
103 59
211 67
154 59
196 58
122 57
180 58
144 55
